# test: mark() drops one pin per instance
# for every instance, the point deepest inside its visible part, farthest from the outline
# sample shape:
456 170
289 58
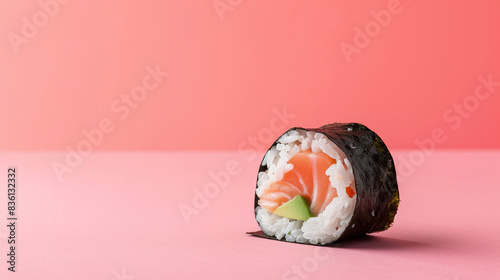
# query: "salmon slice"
307 178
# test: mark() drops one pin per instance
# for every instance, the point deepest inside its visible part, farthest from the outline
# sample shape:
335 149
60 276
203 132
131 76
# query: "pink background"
236 80
118 215
228 72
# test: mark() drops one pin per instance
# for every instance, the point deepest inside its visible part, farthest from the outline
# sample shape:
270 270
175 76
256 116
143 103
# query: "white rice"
329 225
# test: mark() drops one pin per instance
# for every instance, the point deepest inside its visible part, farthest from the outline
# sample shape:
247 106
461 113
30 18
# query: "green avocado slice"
297 208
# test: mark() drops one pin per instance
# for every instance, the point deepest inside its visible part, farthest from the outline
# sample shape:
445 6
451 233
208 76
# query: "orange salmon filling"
307 178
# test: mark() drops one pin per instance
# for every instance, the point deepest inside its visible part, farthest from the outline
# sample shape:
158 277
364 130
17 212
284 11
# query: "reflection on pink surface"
411 67
118 215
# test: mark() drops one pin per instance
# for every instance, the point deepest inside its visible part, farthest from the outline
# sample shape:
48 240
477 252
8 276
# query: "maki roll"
318 186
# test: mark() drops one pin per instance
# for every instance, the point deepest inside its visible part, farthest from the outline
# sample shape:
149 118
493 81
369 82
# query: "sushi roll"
318 186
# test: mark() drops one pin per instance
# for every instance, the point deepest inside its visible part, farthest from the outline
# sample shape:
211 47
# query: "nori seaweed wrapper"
374 175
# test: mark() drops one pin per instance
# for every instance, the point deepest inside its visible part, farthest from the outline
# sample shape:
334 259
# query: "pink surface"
402 68
117 216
